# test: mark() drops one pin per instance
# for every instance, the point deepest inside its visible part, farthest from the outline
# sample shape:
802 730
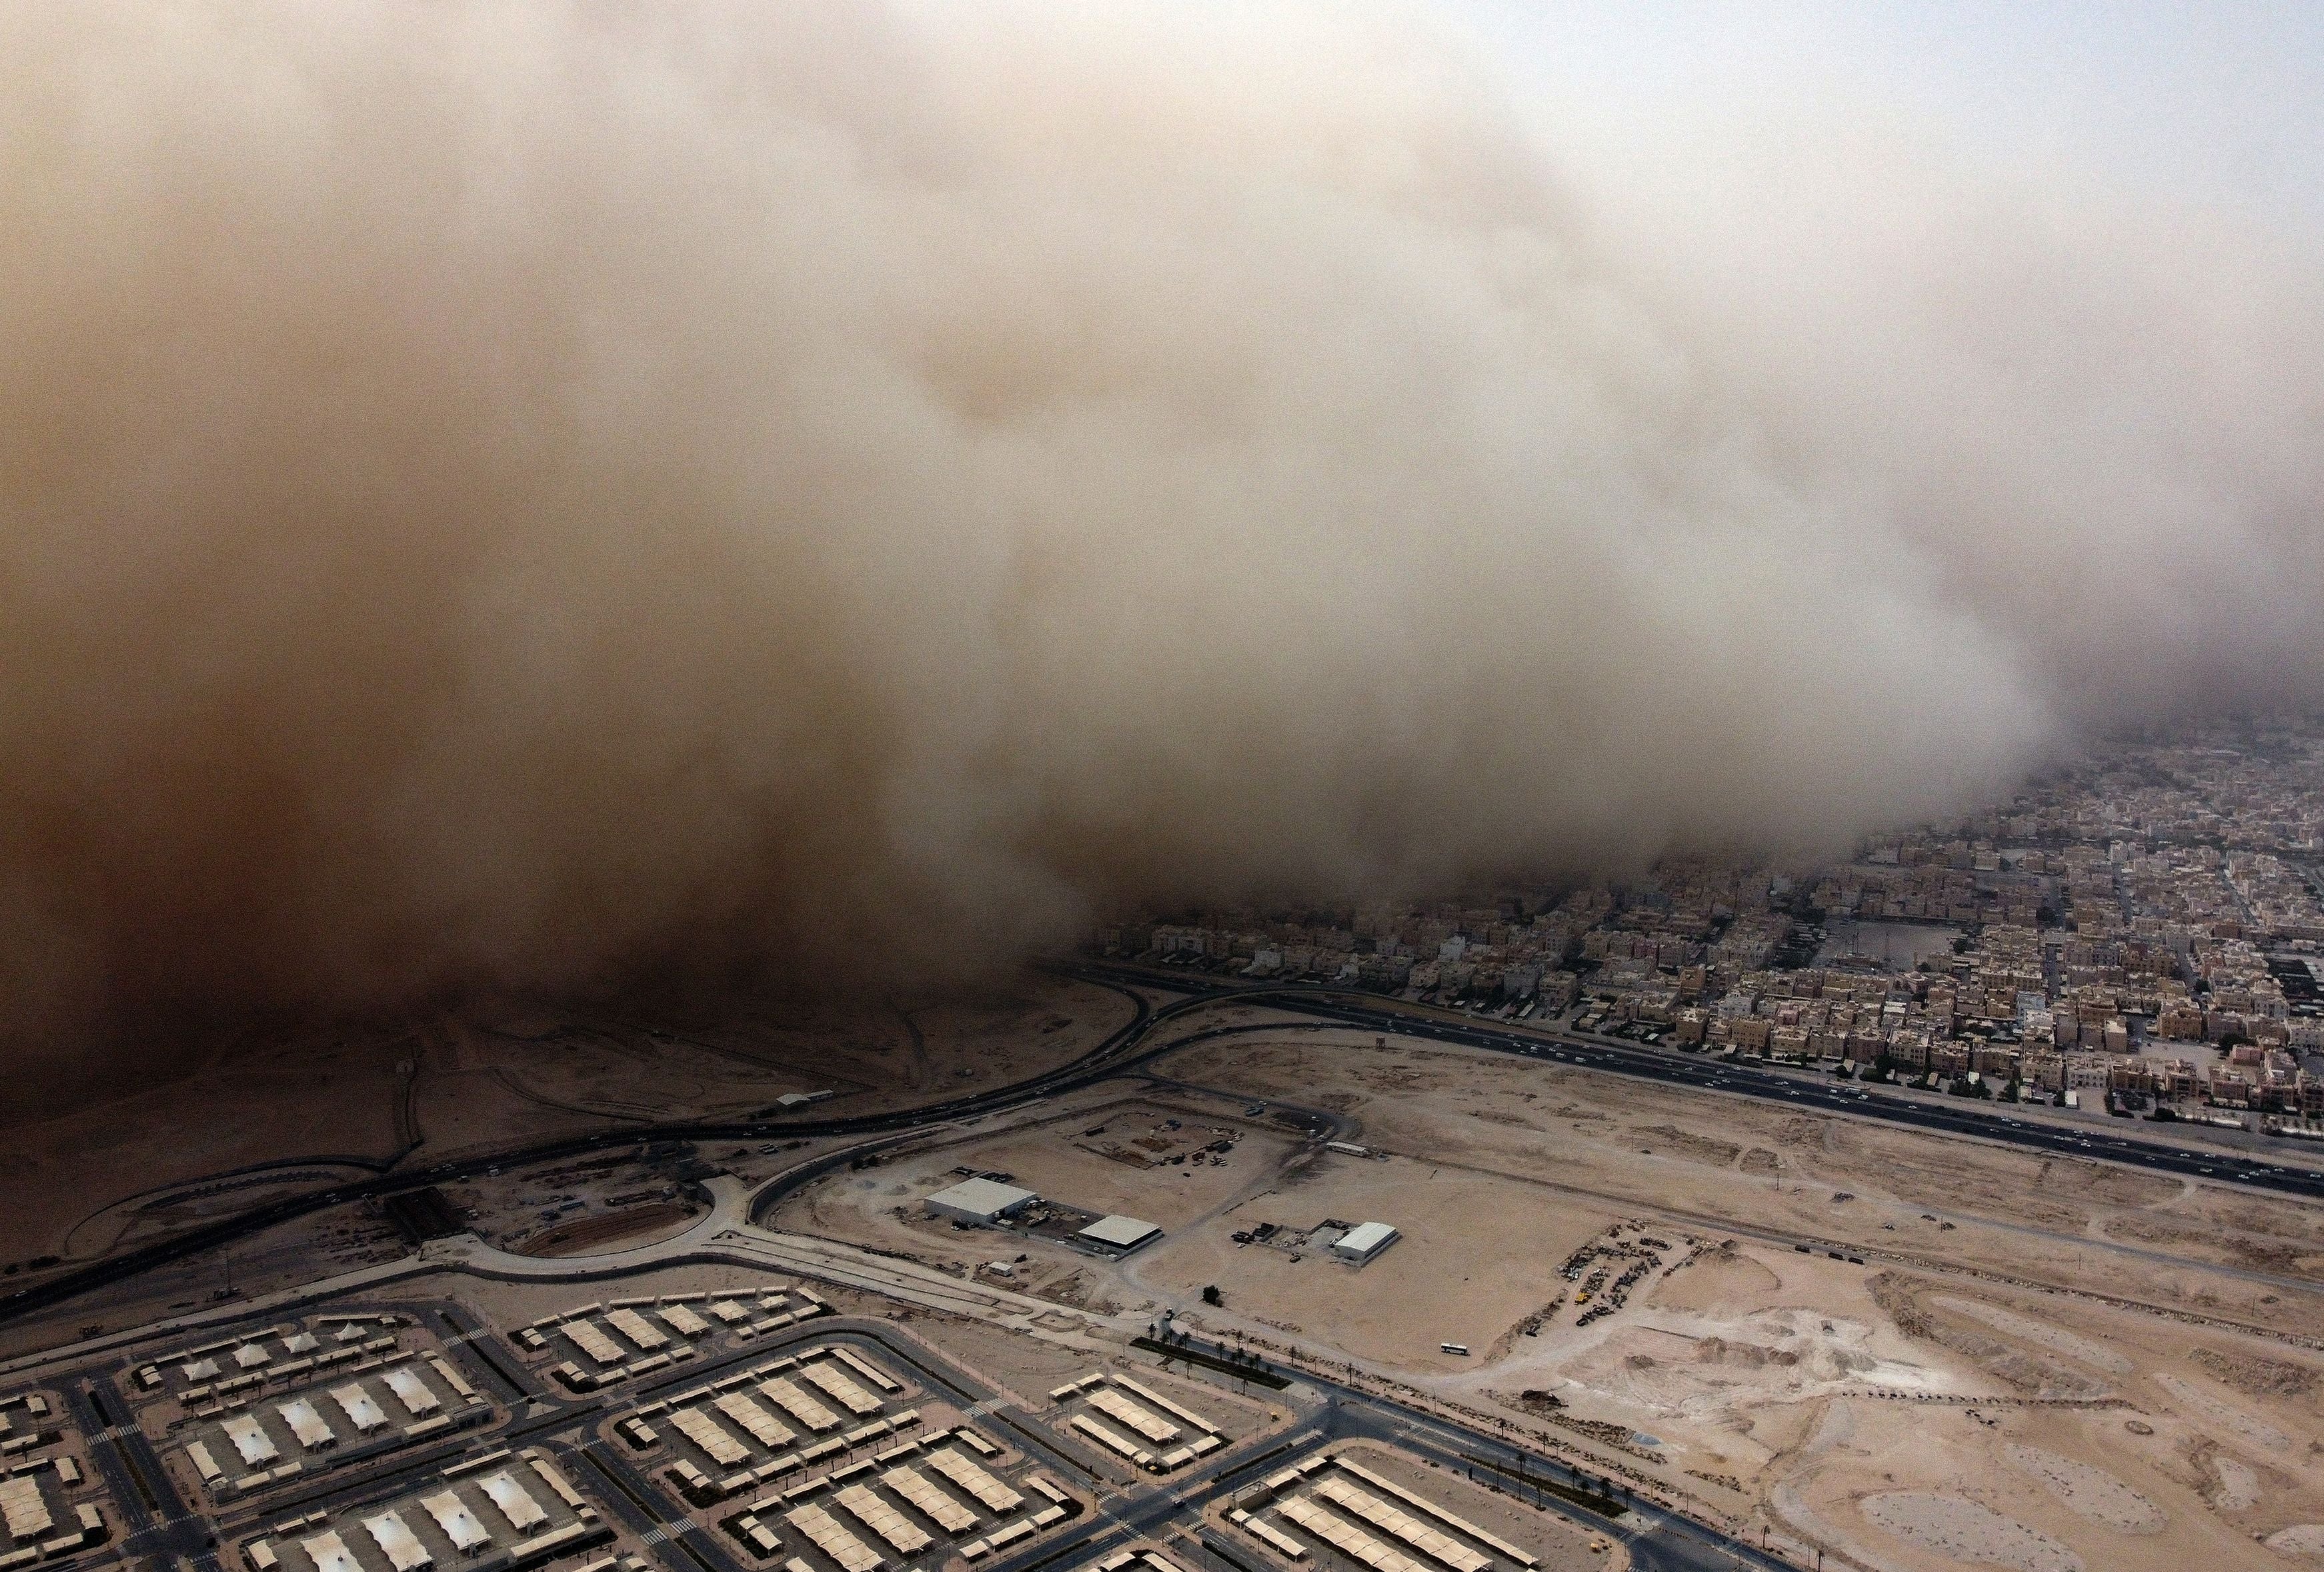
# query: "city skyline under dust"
501 498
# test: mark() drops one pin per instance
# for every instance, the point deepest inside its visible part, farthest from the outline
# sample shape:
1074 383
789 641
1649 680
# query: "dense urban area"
2141 933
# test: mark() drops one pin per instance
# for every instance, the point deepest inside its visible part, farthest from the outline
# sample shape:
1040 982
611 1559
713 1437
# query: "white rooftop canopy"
980 1197
1120 1231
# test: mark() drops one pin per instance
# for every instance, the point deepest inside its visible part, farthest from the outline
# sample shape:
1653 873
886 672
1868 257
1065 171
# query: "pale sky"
2219 102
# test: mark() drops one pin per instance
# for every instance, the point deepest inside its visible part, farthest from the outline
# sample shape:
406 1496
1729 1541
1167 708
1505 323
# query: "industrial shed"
1119 1233
980 1200
1364 1241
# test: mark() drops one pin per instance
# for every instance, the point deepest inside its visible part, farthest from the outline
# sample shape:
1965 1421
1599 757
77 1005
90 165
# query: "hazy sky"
2215 101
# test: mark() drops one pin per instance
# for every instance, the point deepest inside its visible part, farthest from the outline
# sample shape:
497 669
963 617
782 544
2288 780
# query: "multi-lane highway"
2294 1174
1130 1046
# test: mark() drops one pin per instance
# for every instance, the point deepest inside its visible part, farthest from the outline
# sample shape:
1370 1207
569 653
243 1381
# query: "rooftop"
1120 1231
982 1195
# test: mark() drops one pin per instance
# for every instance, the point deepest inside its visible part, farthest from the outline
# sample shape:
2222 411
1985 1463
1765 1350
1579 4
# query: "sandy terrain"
160 1157
2092 1492
1101 1152
1964 1532
735 1055
2024 1385
1811 1385
2035 1362
2239 1485
2300 1540
1727 1161
635 1227
1116 1159
2041 1333
2232 1417
1474 1259
108 1174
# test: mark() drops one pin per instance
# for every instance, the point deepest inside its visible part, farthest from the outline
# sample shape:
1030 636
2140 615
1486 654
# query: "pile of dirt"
2254 1376
2029 1374
1670 1140
1894 1293
2209 1245
589 1235
1750 1355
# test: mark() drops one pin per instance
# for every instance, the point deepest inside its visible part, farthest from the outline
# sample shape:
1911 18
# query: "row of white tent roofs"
253 1355
460 1525
363 1410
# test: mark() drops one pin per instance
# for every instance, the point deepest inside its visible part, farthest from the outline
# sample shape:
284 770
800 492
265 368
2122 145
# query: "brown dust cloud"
507 496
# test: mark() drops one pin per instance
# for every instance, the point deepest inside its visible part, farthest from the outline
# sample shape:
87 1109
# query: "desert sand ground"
2031 1363
2038 1364
134 1167
2088 1363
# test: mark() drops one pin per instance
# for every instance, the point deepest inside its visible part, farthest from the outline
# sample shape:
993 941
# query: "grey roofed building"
980 1200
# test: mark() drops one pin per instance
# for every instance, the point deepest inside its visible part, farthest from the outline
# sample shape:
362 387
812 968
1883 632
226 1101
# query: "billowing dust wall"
508 495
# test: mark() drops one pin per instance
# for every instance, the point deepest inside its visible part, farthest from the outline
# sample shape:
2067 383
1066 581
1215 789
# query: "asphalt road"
1805 1090
1126 1047
156 1525
1095 1065
1658 1542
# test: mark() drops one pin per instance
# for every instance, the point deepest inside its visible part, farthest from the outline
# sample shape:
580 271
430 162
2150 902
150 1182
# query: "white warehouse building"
1119 1233
1364 1241
980 1200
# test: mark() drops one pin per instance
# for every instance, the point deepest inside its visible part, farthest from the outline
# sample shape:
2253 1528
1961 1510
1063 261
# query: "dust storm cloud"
503 496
